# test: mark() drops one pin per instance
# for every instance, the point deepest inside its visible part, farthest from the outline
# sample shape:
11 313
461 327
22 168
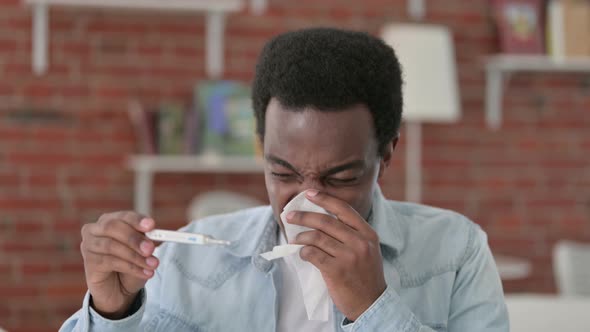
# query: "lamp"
430 90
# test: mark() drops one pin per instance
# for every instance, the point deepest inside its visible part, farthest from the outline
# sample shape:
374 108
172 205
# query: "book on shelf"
568 28
171 128
520 25
144 126
220 121
228 121
192 135
167 129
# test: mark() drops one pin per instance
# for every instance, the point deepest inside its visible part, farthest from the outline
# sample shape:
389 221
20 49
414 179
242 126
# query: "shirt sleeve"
88 320
477 302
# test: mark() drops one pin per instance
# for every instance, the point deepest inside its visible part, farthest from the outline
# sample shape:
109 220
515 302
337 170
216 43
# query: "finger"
325 223
124 233
109 246
342 210
136 220
107 264
321 241
318 258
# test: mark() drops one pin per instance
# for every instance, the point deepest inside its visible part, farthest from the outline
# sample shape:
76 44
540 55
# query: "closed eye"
281 175
346 181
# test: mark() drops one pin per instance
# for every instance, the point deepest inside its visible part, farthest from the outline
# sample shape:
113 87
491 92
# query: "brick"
6 89
39 90
9 45
28 203
51 134
15 291
16 23
40 158
74 91
69 289
5 314
192 29
102 160
112 92
9 179
185 51
34 269
103 27
75 48
64 225
6 269
15 246
31 227
150 50
71 267
564 203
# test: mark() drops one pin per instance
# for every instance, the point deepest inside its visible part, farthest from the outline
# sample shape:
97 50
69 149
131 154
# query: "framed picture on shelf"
520 25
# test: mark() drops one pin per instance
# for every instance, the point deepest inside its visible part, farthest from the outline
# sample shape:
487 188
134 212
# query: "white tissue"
281 251
315 293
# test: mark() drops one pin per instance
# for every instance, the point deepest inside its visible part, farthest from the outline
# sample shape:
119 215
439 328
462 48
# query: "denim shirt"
439 271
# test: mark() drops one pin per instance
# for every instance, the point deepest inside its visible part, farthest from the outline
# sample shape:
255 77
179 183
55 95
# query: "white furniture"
548 313
430 90
571 264
145 166
499 68
215 10
512 268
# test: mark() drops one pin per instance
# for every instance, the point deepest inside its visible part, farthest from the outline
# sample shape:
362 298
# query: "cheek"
360 197
278 195
271 190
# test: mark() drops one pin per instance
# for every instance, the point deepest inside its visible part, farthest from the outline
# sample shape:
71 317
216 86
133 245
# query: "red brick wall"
64 136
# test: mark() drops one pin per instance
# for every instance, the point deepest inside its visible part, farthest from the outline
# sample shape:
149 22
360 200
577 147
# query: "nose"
316 184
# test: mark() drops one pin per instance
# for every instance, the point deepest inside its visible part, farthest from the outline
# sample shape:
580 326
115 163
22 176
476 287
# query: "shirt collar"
255 236
385 220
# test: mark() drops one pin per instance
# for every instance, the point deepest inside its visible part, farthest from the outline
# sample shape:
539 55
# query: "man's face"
334 152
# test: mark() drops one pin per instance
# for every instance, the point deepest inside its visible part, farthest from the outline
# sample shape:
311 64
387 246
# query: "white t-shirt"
292 314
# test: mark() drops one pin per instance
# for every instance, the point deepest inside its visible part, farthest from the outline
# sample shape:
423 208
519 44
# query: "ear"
387 155
259 145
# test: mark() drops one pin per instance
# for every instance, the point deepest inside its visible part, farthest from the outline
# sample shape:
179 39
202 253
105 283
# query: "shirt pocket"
208 267
439 327
166 322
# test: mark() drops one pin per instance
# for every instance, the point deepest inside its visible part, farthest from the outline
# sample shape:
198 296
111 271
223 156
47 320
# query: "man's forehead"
324 139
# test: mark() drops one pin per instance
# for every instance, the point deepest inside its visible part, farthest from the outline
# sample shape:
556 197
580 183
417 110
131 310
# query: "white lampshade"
427 56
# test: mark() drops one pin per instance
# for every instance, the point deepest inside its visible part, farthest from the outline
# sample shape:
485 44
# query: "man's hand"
346 251
118 260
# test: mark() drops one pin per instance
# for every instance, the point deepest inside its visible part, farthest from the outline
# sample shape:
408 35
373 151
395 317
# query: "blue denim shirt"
439 270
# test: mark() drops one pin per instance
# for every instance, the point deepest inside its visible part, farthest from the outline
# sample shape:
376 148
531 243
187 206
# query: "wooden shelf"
170 5
145 166
195 164
499 68
215 10
540 63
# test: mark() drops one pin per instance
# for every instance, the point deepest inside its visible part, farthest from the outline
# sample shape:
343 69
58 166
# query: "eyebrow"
279 161
355 164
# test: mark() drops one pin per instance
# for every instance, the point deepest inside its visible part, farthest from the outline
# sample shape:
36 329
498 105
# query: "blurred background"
104 108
